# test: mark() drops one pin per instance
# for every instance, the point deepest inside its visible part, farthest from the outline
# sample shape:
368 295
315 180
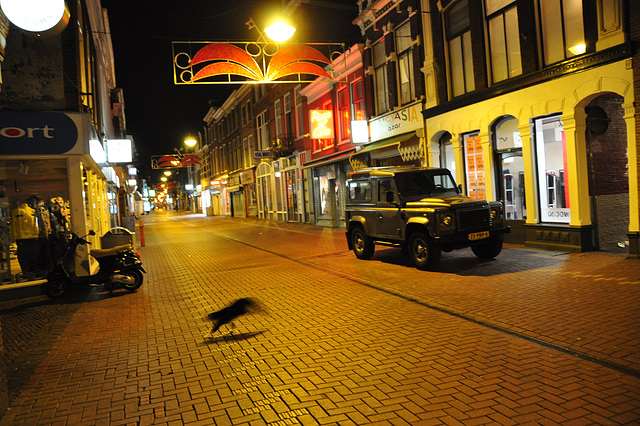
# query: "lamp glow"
578 49
167 173
190 142
280 31
164 179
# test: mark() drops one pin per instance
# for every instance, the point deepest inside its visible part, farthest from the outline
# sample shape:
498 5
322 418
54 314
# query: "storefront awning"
328 160
384 143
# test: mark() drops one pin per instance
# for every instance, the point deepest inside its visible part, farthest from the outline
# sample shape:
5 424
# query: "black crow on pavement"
231 312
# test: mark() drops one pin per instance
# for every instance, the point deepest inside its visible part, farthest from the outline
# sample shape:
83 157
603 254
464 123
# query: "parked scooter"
117 265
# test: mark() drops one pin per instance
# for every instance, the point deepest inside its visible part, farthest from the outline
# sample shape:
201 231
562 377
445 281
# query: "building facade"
532 103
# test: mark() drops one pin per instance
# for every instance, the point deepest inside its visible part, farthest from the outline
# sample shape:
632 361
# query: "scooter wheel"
136 281
55 288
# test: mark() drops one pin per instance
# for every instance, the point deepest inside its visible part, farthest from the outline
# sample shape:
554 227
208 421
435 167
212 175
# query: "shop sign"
119 150
321 124
404 120
261 154
36 133
359 131
246 177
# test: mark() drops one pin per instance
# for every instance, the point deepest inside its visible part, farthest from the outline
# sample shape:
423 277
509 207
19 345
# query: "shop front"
396 139
280 195
556 156
50 184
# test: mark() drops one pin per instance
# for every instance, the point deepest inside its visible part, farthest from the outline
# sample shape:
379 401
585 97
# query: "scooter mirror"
92 232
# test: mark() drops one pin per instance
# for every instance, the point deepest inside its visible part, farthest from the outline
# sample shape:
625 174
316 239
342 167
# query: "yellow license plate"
478 235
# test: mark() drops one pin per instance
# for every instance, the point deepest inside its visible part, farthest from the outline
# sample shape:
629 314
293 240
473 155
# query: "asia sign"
321 121
404 120
251 62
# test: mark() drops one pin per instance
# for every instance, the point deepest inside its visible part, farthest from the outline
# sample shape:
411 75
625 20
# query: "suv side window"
360 190
385 186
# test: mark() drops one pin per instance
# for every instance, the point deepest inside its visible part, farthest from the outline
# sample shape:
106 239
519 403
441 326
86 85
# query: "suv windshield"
417 185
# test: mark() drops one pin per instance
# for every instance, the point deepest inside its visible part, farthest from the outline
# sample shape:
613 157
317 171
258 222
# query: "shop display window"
475 166
34 217
551 154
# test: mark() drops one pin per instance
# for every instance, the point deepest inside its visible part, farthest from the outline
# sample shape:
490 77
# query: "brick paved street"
532 337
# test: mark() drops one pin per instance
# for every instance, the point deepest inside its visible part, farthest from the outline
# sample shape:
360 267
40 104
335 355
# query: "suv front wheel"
422 252
363 246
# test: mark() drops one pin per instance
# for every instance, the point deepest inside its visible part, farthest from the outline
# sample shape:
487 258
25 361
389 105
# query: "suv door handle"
380 216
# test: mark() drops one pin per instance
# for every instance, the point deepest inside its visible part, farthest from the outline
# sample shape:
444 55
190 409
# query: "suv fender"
359 220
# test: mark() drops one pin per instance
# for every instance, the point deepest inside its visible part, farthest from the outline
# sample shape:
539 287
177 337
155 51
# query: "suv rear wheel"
422 252
363 246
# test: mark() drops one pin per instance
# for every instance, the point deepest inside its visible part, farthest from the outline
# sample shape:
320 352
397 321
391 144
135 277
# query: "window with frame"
249 148
299 117
405 63
344 119
357 95
458 34
360 191
562 29
380 77
504 39
288 118
263 131
278 117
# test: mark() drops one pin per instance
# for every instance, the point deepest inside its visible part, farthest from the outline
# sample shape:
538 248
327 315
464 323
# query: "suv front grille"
469 220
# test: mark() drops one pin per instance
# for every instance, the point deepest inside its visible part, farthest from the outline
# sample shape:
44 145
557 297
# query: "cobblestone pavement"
531 337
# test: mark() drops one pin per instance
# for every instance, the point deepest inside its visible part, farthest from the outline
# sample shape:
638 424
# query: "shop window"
474 166
551 155
380 77
405 63
562 29
510 163
344 119
504 39
458 32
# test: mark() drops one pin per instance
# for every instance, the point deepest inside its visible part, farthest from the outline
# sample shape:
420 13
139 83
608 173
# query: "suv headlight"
447 220
495 214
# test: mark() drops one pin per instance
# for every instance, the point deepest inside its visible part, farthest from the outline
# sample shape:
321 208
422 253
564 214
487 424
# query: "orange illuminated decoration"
174 160
322 124
250 62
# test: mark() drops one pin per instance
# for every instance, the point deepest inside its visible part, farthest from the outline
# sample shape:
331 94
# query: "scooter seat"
110 251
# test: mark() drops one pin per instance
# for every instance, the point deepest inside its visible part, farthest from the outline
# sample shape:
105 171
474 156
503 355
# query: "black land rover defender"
421 210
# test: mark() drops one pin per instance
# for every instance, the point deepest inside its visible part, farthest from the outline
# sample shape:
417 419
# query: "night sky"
160 114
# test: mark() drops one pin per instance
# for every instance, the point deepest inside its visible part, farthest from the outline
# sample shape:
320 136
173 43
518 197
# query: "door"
511 178
387 218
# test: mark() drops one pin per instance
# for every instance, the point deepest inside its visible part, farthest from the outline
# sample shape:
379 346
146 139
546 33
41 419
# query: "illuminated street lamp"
163 178
167 173
280 31
190 142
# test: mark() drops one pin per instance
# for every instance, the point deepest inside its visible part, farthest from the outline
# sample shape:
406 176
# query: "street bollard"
142 234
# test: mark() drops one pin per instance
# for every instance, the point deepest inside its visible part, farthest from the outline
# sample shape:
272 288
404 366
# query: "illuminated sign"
404 120
36 133
322 124
119 151
360 131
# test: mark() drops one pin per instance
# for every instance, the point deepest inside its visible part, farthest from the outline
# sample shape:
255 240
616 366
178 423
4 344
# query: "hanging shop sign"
403 120
23 133
321 124
251 62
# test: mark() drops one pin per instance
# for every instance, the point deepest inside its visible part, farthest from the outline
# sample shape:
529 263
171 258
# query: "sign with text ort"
36 133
